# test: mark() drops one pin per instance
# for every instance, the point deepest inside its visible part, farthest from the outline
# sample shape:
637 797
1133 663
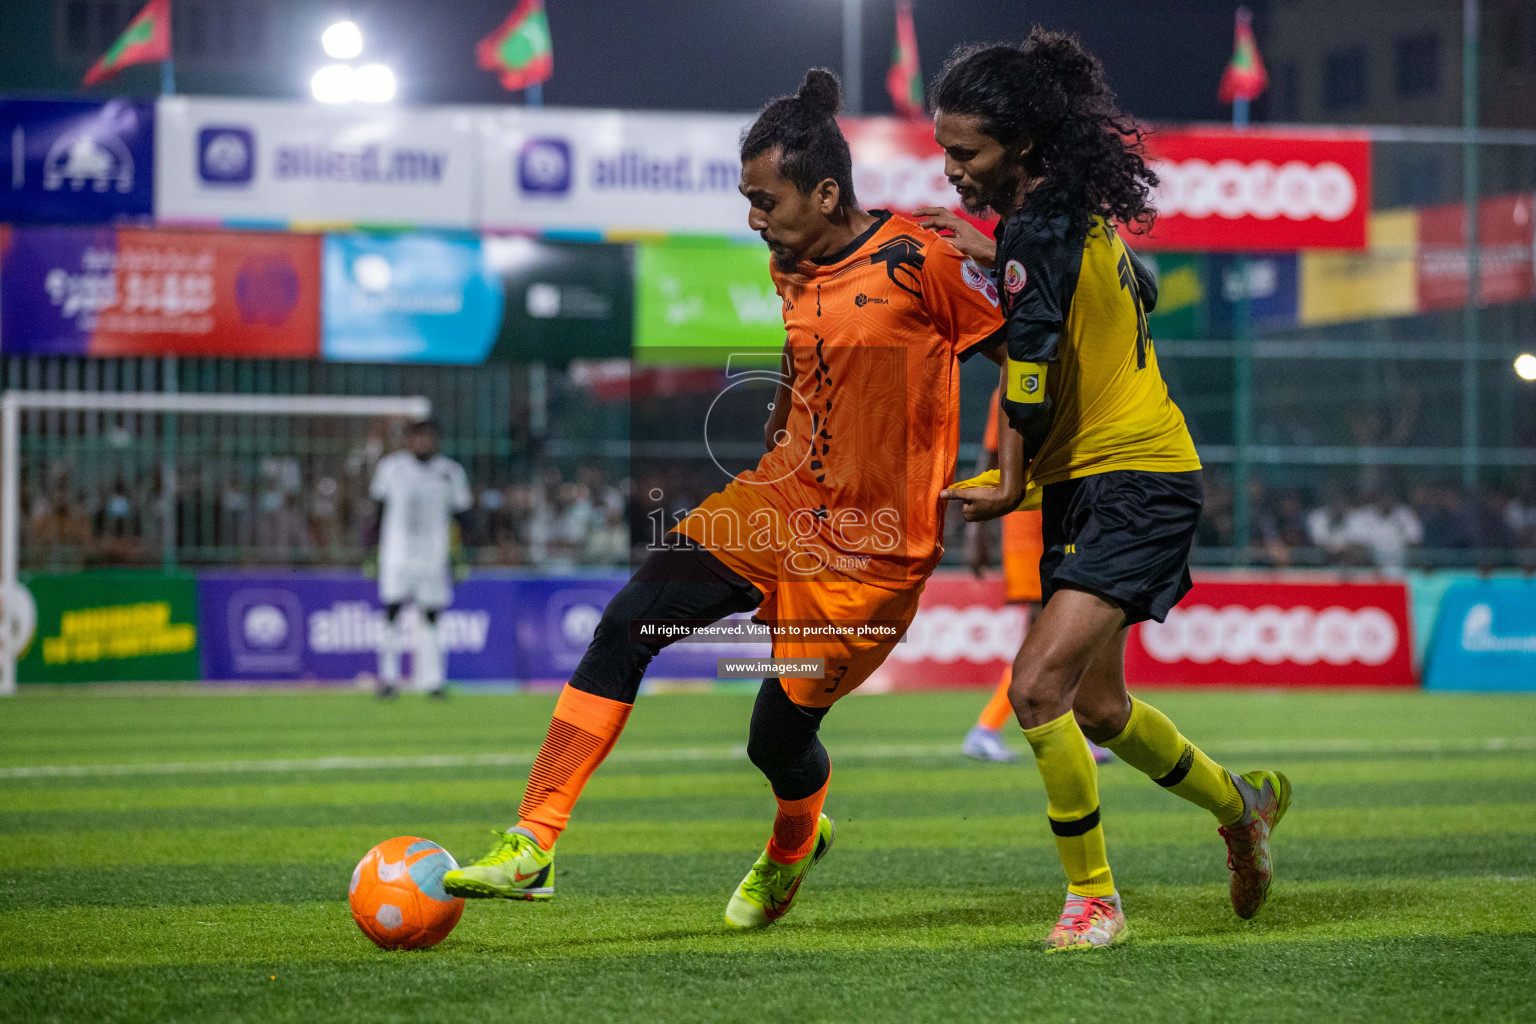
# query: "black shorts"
1123 535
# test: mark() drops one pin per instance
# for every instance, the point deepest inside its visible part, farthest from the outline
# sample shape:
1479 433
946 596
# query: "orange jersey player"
830 537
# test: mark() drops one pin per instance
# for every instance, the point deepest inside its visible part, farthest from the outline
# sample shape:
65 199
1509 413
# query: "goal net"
134 480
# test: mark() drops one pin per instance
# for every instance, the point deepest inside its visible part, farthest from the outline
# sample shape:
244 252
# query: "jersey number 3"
1128 282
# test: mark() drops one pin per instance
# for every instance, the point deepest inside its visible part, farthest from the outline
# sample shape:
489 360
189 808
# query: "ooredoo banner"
113 292
258 162
963 635
1270 633
1242 191
76 161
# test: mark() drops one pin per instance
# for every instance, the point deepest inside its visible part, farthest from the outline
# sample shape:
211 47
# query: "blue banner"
1267 279
557 615
326 626
1485 638
76 161
416 298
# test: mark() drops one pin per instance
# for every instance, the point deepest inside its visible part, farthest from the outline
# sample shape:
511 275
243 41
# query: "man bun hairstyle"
1050 94
804 128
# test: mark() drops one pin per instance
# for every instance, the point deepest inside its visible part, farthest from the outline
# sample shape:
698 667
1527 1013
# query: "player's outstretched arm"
962 234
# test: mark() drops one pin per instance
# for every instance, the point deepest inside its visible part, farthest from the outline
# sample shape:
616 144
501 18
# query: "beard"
998 195
785 261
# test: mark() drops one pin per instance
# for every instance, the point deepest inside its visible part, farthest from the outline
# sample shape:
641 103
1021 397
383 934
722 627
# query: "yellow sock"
1151 744
1072 802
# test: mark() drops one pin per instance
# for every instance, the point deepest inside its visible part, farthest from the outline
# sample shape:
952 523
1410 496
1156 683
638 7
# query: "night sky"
1163 56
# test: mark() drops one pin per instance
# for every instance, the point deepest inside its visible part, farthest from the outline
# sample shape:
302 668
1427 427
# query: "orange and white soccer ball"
397 894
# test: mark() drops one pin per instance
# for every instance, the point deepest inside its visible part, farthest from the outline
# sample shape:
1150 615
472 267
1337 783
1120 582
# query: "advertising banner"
1485 637
1505 236
416 298
1268 280
132 291
556 617
963 635
716 296
563 300
76 161
326 626
1337 287
112 627
1181 296
1264 632
602 173
1259 190
258 162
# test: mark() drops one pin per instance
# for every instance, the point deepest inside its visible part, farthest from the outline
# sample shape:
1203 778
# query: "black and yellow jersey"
1083 386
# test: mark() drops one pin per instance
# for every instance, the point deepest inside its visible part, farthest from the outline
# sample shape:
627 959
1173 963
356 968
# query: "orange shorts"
1022 548
790 598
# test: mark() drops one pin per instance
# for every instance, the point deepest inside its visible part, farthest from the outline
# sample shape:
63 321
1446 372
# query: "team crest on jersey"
978 279
1014 277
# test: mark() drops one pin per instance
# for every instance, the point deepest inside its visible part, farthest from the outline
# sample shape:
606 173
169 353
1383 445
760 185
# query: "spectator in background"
608 543
62 530
1520 512
1383 529
1326 530
117 526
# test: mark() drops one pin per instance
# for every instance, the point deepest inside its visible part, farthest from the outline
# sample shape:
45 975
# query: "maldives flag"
147 38
520 48
1245 77
904 80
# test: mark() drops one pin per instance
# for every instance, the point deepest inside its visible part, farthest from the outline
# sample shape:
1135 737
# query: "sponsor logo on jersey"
978 279
861 300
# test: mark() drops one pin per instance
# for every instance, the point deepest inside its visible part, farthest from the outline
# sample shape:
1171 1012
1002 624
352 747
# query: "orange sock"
998 709
582 731
794 828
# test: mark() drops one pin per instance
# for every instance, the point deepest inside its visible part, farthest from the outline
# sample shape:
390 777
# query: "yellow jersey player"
1034 132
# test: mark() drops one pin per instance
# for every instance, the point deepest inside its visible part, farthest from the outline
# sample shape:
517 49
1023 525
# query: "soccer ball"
397 894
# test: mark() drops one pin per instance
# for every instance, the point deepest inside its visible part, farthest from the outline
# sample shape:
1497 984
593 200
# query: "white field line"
736 753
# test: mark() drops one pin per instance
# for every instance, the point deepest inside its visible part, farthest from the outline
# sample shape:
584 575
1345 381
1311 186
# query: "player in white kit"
419 492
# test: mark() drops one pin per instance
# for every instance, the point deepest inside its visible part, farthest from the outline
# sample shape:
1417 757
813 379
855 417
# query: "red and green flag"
904 80
146 39
1245 77
520 48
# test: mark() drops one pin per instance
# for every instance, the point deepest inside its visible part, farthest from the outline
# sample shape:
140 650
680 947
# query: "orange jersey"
1023 543
873 430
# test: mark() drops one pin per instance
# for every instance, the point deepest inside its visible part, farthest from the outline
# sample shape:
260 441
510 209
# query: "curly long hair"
1050 93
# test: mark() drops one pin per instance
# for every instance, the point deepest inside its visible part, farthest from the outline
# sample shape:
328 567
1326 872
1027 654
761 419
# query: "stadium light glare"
1525 366
374 83
342 41
334 83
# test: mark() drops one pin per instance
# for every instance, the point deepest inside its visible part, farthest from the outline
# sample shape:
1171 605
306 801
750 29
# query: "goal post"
16 611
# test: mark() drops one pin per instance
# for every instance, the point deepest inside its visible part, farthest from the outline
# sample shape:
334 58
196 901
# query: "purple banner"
557 615
326 626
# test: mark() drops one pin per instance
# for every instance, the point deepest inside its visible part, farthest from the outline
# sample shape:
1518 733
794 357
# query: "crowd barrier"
1233 629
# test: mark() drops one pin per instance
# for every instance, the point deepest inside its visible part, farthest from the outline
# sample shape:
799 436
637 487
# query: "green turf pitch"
185 858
